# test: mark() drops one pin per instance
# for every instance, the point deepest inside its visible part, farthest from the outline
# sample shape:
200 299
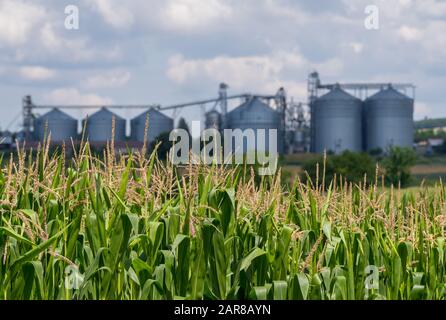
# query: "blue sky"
172 51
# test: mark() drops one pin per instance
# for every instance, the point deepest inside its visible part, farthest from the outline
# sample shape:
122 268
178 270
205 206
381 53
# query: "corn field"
134 228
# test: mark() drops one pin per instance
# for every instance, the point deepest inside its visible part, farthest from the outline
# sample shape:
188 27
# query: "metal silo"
61 125
213 120
338 122
388 118
158 123
99 126
254 114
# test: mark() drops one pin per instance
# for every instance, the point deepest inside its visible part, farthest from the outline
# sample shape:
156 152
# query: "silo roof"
56 114
152 111
389 93
337 94
104 114
253 105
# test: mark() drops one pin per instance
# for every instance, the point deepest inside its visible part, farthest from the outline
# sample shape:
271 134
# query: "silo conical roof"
61 126
389 93
252 105
56 114
104 114
159 123
337 94
153 113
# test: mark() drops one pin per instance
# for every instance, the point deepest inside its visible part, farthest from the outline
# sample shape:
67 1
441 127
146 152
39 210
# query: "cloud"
263 73
422 110
74 49
36 73
187 15
17 21
182 16
72 96
357 47
410 33
110 79
433 8
179 50
114 13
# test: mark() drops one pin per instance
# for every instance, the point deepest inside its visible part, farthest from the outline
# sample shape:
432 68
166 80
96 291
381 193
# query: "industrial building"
336 117
255 114
344 122
158 123
388 120
60 125
358 122
338 124
99 126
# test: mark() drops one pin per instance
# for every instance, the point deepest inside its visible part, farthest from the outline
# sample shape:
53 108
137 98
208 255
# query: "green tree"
397 165
350 165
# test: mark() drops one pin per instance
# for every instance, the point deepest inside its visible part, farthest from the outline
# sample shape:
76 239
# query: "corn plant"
132 227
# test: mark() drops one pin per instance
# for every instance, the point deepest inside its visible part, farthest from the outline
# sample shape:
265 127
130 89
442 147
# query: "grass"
132 227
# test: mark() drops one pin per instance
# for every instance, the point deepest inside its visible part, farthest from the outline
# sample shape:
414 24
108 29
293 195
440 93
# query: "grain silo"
254 114
213 120
61 126
338 122
99 126
158 123
388 119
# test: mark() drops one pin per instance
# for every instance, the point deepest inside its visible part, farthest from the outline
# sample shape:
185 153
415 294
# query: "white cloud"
36 73
71 96
17 21
422 110
187 15
238 71
263 73
434 8
357 47
410 33
114 13
73 49
110 79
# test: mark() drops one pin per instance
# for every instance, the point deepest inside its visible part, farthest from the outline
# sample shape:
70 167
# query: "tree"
350 165
397 165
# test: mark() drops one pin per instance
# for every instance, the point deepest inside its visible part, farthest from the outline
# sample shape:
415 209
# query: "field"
427 170
132 227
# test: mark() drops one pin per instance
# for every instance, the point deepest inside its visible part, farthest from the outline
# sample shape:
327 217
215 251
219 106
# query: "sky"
174 51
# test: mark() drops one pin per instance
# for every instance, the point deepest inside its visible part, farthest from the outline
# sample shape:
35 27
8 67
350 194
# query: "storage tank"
99 126
62 126
158 123
388 118
338 122
213 120
254 114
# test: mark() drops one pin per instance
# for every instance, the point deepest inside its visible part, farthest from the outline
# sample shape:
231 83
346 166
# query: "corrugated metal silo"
338 122
99 126
213 120
158 123
61 125
388 118
254 114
